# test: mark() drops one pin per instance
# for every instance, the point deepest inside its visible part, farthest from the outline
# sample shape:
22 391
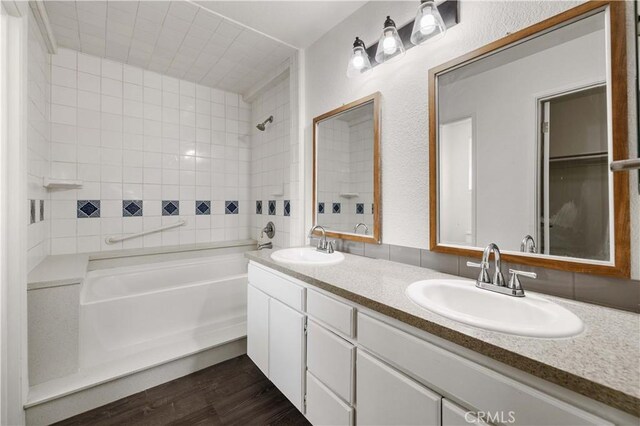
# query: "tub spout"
268 245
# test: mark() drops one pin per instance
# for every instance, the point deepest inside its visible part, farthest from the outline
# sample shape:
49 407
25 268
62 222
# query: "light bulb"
389 44
427 24
358 62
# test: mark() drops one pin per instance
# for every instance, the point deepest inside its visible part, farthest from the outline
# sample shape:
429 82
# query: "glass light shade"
390 46
428 24
358 62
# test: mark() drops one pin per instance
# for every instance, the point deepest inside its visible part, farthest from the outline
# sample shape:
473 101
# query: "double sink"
461 300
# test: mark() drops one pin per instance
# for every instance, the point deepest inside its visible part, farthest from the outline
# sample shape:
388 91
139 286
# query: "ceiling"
297 23
177 38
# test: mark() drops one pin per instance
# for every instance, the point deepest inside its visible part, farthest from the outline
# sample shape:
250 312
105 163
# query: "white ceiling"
298 23
177 38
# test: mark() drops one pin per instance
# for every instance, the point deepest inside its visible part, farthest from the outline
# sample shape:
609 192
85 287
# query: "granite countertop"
602 363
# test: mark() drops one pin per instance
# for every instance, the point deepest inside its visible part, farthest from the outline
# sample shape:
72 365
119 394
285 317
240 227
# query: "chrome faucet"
323 245
366 228
268 245
528 244
512 288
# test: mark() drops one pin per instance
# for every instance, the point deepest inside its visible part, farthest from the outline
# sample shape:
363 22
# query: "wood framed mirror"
346 171
521 134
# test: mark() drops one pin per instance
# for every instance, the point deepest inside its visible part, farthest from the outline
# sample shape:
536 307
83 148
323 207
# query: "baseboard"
88 399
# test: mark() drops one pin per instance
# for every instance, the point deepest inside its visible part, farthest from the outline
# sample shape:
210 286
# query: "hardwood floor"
234 392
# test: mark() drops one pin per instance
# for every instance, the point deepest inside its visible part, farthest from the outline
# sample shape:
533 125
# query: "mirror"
346 178
522 134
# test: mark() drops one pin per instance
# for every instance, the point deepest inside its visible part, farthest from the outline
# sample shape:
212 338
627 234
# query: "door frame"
13 212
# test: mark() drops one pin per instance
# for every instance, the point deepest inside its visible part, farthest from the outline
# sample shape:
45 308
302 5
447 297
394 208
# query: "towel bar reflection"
625 165
113 240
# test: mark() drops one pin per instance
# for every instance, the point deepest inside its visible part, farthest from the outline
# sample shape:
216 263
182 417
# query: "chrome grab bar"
113 240
624 165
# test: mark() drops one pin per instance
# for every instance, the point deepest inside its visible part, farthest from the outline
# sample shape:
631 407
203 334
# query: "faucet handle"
514 280
484 271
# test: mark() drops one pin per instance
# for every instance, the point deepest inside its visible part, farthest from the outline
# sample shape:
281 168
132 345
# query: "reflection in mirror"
524 142
345 170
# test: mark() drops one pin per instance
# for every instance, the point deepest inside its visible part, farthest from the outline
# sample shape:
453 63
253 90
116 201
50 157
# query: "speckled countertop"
602 363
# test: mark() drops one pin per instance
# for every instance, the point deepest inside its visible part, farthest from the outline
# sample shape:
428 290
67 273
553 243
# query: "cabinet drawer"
335 314
387 397
477 386
280 288
331 359
454 415
323 407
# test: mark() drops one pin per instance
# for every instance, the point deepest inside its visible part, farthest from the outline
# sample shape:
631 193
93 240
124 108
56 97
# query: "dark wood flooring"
234 392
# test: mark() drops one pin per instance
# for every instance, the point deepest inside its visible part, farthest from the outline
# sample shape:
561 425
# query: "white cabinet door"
385 396
258 328
324 407
286 351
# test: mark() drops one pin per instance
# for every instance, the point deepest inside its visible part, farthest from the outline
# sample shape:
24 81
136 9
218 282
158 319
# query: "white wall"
38 142
403 84
130 134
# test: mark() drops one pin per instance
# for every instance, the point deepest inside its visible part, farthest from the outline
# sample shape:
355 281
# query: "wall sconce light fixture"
390 46
359 60
431 23
428 24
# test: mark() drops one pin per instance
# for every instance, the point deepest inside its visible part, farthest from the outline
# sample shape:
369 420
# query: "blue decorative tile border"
359 208
41 210
231 207
272 207
287 207
131 208
32 212
170 208
258 207
88 208
203 208
321 208
336 208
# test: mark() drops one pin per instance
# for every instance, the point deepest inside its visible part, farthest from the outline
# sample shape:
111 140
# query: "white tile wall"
275 166
135 134
38 141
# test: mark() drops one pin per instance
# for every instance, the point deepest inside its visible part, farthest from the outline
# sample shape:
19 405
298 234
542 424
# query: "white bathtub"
133 310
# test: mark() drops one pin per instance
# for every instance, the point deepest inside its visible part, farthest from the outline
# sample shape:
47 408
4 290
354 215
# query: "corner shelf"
61 183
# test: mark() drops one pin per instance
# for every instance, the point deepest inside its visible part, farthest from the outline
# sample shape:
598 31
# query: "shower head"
262 125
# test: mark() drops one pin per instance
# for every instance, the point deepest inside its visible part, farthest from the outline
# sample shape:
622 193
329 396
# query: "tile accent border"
287 207
171 208
272 207
258 207
231 207
88 208
131 208
203 208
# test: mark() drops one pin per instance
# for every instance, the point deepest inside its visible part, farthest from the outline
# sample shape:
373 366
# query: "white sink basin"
461 300
306 256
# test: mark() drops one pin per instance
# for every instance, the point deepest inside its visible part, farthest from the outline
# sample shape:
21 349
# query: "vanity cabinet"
341 364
